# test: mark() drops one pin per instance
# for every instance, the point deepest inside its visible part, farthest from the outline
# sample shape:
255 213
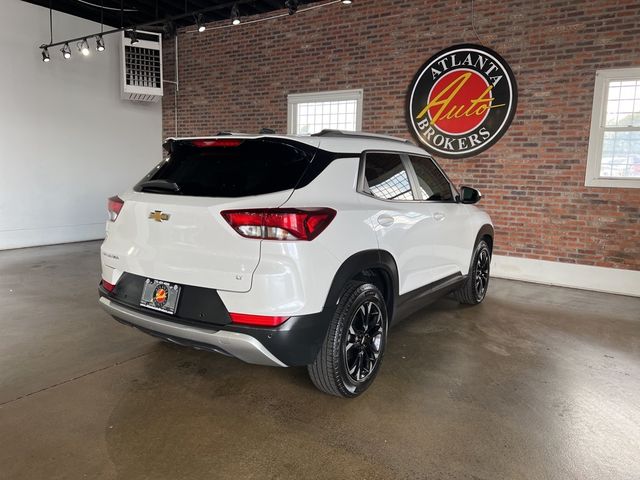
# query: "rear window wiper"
159 185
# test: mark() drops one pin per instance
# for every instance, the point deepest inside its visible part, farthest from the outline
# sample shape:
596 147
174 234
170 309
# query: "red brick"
532 180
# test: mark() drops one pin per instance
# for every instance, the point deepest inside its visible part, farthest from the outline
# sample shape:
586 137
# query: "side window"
386 178
433 185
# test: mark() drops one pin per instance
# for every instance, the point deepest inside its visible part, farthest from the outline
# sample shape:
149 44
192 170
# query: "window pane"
316 116
433 184
623 105
620 154
386 177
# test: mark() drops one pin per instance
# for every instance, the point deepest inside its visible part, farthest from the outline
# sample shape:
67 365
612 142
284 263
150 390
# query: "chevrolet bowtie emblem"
159 216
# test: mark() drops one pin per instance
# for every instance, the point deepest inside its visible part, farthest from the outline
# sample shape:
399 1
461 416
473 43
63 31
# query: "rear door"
403 227
171 228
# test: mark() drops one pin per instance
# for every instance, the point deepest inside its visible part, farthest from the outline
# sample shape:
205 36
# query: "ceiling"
138 12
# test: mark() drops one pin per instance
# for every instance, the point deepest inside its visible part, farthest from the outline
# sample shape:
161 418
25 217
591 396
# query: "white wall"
573 275
67 141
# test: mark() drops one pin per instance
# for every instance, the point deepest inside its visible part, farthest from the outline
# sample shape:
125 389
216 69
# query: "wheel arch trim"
358 263
485 230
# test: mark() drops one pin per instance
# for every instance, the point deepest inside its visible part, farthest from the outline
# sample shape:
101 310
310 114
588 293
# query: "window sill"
612 182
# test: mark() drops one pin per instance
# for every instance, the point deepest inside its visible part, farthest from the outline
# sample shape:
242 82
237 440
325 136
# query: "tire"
474 289
351 354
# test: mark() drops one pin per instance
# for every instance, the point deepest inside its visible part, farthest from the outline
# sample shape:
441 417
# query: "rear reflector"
218 142
257 320
114 205
280 223
108 286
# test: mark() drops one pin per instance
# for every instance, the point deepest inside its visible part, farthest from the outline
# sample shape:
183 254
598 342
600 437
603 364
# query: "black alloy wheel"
363 342
474 289
351 353
483 263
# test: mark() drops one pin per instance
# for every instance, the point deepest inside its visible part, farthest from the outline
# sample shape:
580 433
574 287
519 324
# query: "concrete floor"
536 383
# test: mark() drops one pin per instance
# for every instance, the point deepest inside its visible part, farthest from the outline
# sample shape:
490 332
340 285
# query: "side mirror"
469 195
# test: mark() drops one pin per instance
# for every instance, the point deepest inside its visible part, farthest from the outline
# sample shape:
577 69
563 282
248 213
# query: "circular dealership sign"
462 101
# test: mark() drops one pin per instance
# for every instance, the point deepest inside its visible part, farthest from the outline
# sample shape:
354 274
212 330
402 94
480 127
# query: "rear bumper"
239 345
294 343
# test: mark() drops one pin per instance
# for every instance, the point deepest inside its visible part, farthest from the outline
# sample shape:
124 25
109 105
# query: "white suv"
292 250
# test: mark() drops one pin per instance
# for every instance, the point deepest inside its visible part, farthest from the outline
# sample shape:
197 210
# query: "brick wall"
533 178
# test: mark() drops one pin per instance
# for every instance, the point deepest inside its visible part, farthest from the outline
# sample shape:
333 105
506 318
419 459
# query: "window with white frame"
614 142
312 112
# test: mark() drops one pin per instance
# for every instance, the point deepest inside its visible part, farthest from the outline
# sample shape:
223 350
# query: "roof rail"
348 134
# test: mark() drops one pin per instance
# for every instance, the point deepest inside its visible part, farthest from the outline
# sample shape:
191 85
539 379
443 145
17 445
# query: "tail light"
107 286
280 223
114 205
257 320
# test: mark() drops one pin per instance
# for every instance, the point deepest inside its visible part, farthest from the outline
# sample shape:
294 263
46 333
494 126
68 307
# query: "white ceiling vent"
141 66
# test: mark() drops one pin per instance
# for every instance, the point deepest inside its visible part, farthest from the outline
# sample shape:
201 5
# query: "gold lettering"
447 110
456 85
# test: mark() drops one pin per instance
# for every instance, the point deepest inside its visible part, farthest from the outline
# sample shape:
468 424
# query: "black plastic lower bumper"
295 343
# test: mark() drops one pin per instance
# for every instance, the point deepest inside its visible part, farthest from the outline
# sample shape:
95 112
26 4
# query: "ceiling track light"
200 22
235 14
66 51
168 26
292 5
133 36
99 43
83 47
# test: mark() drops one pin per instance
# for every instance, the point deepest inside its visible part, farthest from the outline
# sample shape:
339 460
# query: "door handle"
385 220
438 216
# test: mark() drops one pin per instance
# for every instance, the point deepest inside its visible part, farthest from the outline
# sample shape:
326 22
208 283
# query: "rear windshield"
254 167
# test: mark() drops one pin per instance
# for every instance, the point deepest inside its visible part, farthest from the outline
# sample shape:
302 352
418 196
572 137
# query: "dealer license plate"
161 296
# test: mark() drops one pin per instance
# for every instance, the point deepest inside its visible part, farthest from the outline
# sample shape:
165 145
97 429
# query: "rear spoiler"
168 144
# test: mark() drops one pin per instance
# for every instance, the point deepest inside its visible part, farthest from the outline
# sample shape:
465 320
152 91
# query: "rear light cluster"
108 286
280 223
257 320
114 205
